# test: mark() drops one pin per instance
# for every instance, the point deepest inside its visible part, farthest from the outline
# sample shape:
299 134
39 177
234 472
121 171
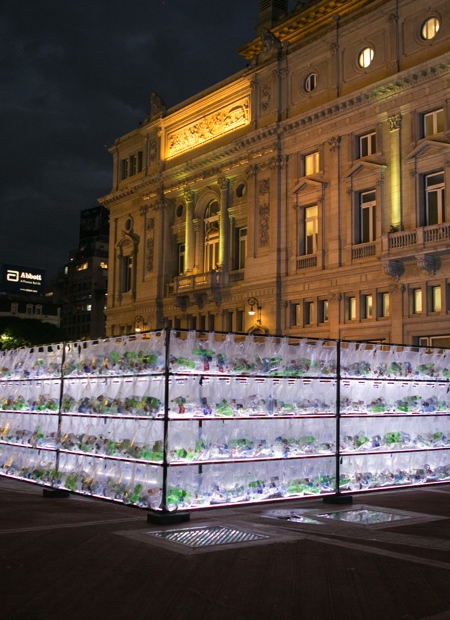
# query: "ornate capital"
251 171
280 73
334 143
223 183
278 162
189 195
143 210
395 122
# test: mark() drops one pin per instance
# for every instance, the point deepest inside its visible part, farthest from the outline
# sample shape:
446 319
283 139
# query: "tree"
16 333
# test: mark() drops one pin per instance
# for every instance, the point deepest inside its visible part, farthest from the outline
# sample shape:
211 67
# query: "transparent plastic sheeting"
379 397
247 418
212 353
35 363
249 482
127 482
370 471
243 439
394 433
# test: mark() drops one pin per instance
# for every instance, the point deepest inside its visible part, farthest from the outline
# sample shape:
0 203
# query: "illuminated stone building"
312 183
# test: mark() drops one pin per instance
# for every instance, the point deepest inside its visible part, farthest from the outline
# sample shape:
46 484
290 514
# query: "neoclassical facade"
308 189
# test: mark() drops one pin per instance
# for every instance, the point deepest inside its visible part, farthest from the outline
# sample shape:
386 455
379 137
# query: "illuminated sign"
21 280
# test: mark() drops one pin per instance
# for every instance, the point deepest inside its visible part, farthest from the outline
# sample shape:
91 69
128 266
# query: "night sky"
75 75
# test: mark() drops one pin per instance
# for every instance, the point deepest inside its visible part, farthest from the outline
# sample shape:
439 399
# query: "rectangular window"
417 301
181 256
309 313
311 227
140 159
242 247
228 321
323 311
435 341
384 304
211 321
127 273
433 123
133 165
239 320
201 322
351 308
367 216
295 315
367 144
368 306
312 163
435 198
436 299
124 168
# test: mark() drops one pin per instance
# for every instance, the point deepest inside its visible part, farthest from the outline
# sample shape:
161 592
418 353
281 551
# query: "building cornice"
305 21
259 143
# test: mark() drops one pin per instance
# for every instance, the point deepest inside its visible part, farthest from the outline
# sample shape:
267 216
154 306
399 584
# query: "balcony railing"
402 239
364 250
197 282
408 242
436 233
304 262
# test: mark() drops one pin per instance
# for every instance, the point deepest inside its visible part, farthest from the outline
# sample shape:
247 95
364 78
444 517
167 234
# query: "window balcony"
307 261
196 289
363 250
407 243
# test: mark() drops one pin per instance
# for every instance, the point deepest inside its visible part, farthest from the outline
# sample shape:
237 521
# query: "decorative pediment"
311 183
426 146
363 167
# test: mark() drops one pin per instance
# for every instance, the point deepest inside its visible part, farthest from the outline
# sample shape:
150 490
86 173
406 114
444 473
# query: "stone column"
189 235
395 215
224 224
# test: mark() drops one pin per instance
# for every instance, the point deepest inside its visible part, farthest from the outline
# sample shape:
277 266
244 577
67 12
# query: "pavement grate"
292 516
207 536
363 516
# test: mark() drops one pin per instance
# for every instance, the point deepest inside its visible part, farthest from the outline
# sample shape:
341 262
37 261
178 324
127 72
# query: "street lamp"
139 324
252 302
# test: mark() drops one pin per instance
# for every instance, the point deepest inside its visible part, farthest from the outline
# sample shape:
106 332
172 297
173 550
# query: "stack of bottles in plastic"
180 419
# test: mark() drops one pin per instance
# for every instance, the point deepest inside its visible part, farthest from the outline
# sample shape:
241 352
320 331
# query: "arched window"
212 233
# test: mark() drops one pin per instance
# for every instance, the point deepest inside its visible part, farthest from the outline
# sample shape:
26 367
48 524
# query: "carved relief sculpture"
209 127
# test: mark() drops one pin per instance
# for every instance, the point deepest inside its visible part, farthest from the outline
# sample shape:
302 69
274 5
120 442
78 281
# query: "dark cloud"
75 75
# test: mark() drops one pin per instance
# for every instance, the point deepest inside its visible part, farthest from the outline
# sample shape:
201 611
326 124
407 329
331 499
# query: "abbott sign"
22 280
